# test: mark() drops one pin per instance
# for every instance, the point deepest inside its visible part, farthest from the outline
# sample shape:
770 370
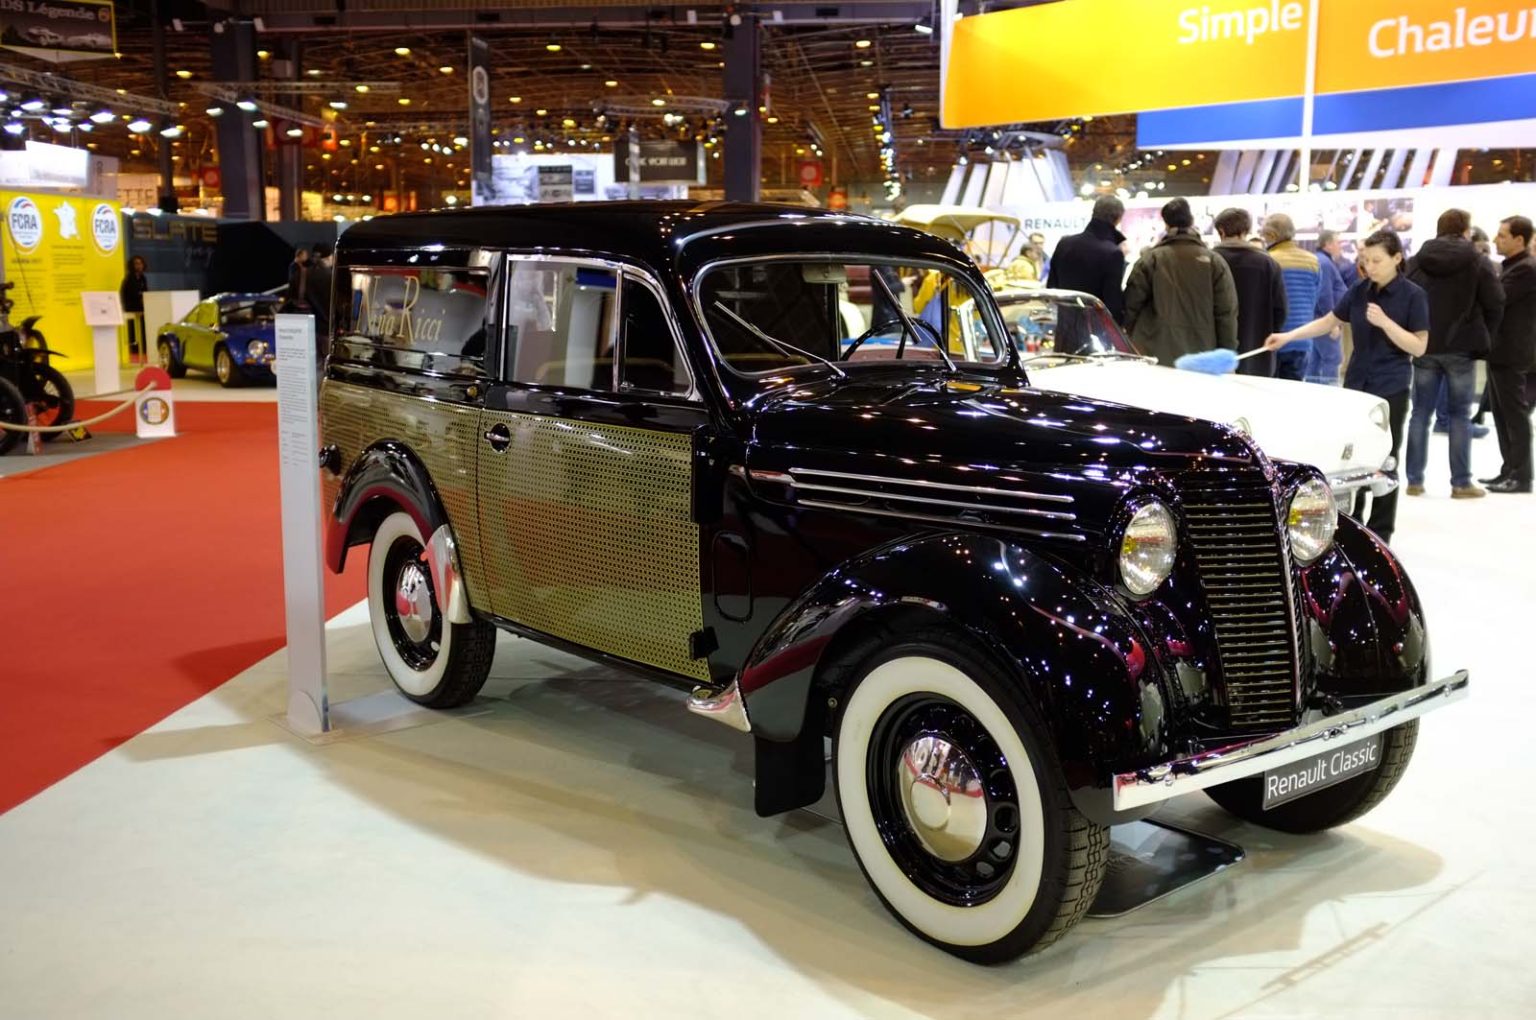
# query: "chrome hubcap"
943 797
413 602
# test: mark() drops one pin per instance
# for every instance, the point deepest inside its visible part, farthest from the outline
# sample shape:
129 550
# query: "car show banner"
1243 64
55 246
662 161
480 116
59 29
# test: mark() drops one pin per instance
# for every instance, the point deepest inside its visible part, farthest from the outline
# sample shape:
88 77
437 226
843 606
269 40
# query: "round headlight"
257 348
1147 549
1311 520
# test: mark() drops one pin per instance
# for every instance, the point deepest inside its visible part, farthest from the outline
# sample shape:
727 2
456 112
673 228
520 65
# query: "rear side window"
651 362
561 324
434 318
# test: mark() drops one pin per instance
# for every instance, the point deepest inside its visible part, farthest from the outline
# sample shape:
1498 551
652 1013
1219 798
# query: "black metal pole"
168 201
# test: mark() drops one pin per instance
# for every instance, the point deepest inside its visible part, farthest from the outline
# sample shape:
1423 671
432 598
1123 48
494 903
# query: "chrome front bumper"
1237 761
1344 483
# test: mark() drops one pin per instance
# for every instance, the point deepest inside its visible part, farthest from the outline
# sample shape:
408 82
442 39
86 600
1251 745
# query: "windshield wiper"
781 346
908 327
1095 356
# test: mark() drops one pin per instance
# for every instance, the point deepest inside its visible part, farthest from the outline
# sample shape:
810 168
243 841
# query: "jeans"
1460 375
1323 361
1291 361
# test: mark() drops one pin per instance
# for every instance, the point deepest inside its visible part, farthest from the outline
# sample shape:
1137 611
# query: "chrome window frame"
695 300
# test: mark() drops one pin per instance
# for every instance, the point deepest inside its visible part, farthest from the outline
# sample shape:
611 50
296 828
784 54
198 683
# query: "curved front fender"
387 472
1364 629
1079 658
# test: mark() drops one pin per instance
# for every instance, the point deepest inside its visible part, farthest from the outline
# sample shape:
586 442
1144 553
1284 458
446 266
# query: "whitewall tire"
955 808
431 661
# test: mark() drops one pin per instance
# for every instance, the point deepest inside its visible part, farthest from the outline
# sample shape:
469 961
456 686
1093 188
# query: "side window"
205 314
651 361
414 315
560 324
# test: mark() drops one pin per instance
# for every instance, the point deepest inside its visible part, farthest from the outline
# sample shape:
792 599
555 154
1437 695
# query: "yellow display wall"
55 246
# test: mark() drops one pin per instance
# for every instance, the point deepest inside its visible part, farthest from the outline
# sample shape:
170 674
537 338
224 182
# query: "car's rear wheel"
53 399
432 662
1331 806
955 806
225 369
168 360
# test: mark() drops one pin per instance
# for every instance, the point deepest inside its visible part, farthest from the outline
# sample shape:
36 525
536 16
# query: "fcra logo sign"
26 223
105 228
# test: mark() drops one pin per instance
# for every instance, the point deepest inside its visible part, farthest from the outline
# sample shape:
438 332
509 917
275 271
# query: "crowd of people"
1408 330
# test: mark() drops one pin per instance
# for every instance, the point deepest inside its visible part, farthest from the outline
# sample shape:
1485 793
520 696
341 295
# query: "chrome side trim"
447 580
912 515
1237 761
1055 515
1345 482
723 706
918 483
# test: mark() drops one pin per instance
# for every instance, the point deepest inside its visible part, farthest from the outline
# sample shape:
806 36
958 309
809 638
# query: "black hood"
968 431
1447 256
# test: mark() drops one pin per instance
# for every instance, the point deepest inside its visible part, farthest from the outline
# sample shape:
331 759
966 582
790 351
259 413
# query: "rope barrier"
138 395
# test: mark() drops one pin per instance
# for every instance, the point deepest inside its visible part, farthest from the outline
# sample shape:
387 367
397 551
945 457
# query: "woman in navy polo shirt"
1389 317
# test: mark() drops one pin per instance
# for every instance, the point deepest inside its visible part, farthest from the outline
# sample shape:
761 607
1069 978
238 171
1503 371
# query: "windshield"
1073 324
248 313
775 314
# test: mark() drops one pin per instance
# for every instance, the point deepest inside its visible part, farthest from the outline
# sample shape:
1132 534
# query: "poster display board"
60 30
54 247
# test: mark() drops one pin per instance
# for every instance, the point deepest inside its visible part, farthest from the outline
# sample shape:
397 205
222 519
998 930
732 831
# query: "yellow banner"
1075 57
54 247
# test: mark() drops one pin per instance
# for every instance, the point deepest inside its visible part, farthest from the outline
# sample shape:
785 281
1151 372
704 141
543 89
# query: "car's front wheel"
955 806
432 662
225 369
168 360
1331 806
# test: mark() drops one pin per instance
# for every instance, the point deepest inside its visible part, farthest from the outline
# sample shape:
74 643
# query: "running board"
723 705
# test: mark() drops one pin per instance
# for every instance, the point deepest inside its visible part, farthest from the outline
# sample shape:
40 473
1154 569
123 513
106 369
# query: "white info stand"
104 314
298 450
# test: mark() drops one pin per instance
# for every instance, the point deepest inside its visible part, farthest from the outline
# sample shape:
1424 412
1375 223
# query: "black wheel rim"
980 875
404 555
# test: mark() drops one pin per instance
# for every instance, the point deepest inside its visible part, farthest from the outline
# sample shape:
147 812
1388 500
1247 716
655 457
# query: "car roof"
655 232
235 297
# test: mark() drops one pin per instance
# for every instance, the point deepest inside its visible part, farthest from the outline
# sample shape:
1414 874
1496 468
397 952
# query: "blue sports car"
231 335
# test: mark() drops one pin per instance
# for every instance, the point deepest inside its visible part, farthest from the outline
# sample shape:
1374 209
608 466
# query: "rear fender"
1080 660
384 479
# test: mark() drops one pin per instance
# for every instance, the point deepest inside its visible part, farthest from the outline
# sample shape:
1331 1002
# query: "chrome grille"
1236 538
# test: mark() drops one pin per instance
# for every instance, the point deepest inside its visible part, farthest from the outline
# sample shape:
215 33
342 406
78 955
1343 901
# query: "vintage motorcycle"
28 381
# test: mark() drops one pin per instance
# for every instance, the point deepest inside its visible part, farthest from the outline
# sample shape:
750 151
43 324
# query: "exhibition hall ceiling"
567 77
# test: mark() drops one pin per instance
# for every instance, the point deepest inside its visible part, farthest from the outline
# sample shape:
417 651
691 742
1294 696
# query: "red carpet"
139 580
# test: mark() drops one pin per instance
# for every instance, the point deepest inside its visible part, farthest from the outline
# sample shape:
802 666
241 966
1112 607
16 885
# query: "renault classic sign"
53 28
1131 56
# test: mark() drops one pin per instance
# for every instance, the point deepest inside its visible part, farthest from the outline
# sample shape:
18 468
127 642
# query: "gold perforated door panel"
589 536
443 436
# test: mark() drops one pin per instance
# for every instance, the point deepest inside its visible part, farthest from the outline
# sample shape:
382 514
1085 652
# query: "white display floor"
576 844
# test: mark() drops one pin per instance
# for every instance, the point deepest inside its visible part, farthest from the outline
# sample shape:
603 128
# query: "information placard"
298 445
102 307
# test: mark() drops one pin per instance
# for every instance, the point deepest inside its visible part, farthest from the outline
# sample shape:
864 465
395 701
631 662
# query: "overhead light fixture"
14 127
446 69
360 88
923 26
63 110
611 83
337 104
514 99
103 116
294 132
63 127
174 131
87 126
460 141
553 46
658 102
862 44
33 104
261 125
707 45
248 105
866 63
263 54
402 51
314 72
540 112
404 100
139 125
212 111
183 74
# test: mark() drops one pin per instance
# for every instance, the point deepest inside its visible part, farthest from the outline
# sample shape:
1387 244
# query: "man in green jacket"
1180 298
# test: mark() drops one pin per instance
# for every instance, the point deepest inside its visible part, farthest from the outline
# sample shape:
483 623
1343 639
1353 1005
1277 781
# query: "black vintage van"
733 448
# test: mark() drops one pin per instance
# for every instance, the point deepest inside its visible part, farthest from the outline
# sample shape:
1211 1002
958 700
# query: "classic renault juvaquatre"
639 432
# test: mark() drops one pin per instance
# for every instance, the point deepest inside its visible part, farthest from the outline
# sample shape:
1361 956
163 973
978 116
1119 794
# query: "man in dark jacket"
298 282
1180 298
1092 261
1466 303
1261 303
318 292
1513 356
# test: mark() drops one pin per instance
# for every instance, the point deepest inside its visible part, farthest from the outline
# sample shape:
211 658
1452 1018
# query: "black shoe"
1495 480
1510 485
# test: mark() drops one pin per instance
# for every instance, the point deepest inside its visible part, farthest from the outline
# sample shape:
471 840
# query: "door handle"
500 437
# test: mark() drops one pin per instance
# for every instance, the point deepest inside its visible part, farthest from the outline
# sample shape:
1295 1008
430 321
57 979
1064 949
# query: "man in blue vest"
1303 284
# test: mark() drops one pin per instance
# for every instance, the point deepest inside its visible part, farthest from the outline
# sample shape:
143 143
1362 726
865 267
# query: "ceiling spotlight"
611 83
314 72
63 110
183 74
514 99
294 132
139 125
923 27
540 112
14 127
263 54
553 46
174 131
446 69
63 126
862 44
460 141
212 111
33 104
658 102
261 124
337 104
707 45
102 117
402 51
404 100
360 88
248 105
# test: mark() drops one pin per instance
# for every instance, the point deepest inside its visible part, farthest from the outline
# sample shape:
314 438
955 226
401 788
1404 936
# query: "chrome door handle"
500 437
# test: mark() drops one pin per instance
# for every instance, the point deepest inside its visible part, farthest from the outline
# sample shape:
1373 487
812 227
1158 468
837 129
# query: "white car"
1071 344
